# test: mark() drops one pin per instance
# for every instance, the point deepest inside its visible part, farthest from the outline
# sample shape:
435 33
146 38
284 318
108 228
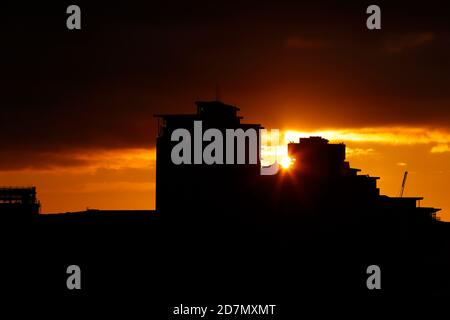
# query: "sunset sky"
76 106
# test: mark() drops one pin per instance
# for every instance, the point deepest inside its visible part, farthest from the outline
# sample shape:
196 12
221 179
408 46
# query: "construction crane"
405 175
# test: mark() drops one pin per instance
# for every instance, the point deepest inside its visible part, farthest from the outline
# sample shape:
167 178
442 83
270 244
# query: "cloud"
382 135
11 160
360 137
355 152
100 91
441 148
87 160
400 43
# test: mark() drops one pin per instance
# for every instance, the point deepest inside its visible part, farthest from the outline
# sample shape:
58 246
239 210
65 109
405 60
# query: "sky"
76 106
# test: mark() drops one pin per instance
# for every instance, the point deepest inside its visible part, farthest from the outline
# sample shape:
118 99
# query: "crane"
405 175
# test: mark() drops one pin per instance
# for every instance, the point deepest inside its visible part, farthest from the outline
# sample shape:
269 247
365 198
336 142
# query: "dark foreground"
143 263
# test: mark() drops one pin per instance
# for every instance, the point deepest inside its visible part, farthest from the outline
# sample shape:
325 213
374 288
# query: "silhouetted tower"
203 187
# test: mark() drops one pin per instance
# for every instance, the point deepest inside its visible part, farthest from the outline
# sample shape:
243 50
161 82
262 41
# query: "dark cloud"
19 160
284 62
403 42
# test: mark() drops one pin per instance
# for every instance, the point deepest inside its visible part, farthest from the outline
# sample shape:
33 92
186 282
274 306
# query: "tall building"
218 188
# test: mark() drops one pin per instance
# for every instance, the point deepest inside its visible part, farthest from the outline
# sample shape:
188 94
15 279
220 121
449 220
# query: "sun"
286 162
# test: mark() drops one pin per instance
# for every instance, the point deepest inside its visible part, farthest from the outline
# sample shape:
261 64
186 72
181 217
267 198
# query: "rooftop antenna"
405 175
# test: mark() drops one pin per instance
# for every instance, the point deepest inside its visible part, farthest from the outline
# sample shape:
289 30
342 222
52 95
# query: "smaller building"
321 166
19 201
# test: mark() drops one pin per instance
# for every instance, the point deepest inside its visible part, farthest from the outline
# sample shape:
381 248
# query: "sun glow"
438 140
286 162
379 135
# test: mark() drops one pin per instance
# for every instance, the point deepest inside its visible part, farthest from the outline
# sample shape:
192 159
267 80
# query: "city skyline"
77 109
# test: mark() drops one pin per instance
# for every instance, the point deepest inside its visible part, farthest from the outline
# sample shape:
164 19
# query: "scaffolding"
19 199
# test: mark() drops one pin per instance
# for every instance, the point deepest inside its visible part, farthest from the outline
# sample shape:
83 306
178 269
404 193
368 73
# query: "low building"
19 201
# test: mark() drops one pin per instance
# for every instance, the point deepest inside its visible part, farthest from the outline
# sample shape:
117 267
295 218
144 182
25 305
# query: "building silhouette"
324 177
320 182
228 231
268 231
202 188
19 201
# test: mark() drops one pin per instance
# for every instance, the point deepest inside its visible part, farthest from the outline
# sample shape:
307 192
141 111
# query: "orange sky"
125 179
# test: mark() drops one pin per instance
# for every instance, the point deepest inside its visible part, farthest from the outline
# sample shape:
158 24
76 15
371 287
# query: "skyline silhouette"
320 207
88 180
89 139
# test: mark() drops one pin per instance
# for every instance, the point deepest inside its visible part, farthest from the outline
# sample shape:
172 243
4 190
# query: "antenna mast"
403 184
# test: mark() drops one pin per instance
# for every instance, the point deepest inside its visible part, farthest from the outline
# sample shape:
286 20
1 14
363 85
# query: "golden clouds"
441 148
438 139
